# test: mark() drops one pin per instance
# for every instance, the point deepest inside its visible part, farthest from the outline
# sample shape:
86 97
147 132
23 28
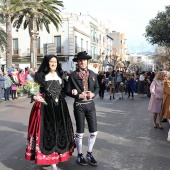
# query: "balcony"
15 52
38 50
60 49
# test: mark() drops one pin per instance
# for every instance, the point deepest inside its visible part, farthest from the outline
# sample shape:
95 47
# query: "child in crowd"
121 90
103 86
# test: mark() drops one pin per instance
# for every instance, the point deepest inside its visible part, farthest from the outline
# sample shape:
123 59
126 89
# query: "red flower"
93 78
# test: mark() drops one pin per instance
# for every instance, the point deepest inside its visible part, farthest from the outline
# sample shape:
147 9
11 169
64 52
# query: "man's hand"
74 92
89 95
82 95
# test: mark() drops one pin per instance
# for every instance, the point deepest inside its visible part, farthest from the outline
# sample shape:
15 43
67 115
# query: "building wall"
84 27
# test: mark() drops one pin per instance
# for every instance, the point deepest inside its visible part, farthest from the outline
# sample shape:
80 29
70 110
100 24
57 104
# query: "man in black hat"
83 86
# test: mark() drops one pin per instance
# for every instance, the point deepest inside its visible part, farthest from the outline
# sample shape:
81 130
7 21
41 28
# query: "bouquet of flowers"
30 88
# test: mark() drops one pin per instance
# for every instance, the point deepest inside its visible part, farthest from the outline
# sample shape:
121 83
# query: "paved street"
126 138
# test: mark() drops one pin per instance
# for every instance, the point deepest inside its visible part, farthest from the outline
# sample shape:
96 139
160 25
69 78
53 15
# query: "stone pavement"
126 138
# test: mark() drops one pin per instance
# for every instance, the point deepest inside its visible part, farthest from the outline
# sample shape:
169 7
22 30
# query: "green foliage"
2 39
29 88
158 29
44 11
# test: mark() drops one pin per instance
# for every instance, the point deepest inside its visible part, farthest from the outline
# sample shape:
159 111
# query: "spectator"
165 112
21 78
11 69
102 86
30 76
130 86
2 79
15 84
26 71
99 78
155 103
112 84
121 90
7 85
119 78
141 85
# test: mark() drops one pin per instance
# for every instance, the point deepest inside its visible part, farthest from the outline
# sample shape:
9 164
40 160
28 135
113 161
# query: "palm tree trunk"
8 42
33 42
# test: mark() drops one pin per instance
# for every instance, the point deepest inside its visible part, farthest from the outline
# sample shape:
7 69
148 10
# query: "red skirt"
33 151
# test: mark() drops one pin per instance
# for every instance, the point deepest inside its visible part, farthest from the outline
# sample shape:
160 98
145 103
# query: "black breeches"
88 111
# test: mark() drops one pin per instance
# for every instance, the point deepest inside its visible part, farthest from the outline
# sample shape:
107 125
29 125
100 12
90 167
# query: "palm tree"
6 12
34 14
2 39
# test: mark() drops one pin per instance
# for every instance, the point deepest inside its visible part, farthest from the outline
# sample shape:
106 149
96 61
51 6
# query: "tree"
2 39
158 29
6 12
113 60
34 15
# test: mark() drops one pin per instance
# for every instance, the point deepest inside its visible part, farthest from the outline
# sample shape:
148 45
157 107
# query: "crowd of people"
51 137
13 78
150 84
125 83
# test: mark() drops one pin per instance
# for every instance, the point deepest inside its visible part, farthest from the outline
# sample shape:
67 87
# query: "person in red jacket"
21 78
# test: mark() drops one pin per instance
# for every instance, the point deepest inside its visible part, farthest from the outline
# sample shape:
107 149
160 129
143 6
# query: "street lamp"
103 61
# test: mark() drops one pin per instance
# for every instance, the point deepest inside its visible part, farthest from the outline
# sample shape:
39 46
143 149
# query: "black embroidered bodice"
53 89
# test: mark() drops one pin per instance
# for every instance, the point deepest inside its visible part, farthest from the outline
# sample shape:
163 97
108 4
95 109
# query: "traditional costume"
84 81
50 138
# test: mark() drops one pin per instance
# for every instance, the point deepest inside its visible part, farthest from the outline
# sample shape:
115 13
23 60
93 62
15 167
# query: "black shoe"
91 159
159 126
119 97
113 97
164 120
110 97
81 160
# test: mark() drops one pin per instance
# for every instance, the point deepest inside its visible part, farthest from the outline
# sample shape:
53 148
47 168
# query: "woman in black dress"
50 132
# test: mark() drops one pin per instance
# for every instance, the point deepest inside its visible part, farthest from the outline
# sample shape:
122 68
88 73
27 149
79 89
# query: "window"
57 41
38 45
87 44
15 46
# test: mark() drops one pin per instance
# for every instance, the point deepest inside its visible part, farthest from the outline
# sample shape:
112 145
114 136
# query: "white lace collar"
50 77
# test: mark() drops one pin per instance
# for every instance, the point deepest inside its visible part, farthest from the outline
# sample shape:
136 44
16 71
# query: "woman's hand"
159 98
39 98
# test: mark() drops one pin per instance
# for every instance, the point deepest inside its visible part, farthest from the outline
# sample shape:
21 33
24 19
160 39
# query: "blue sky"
124 16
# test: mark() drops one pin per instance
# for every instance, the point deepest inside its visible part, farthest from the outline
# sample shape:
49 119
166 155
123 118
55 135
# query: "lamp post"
102 61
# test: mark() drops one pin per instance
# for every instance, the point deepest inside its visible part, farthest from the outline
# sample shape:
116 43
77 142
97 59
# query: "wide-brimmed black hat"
81 56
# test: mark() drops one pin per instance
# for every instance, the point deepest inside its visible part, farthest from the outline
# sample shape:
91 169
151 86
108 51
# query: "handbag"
14 87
